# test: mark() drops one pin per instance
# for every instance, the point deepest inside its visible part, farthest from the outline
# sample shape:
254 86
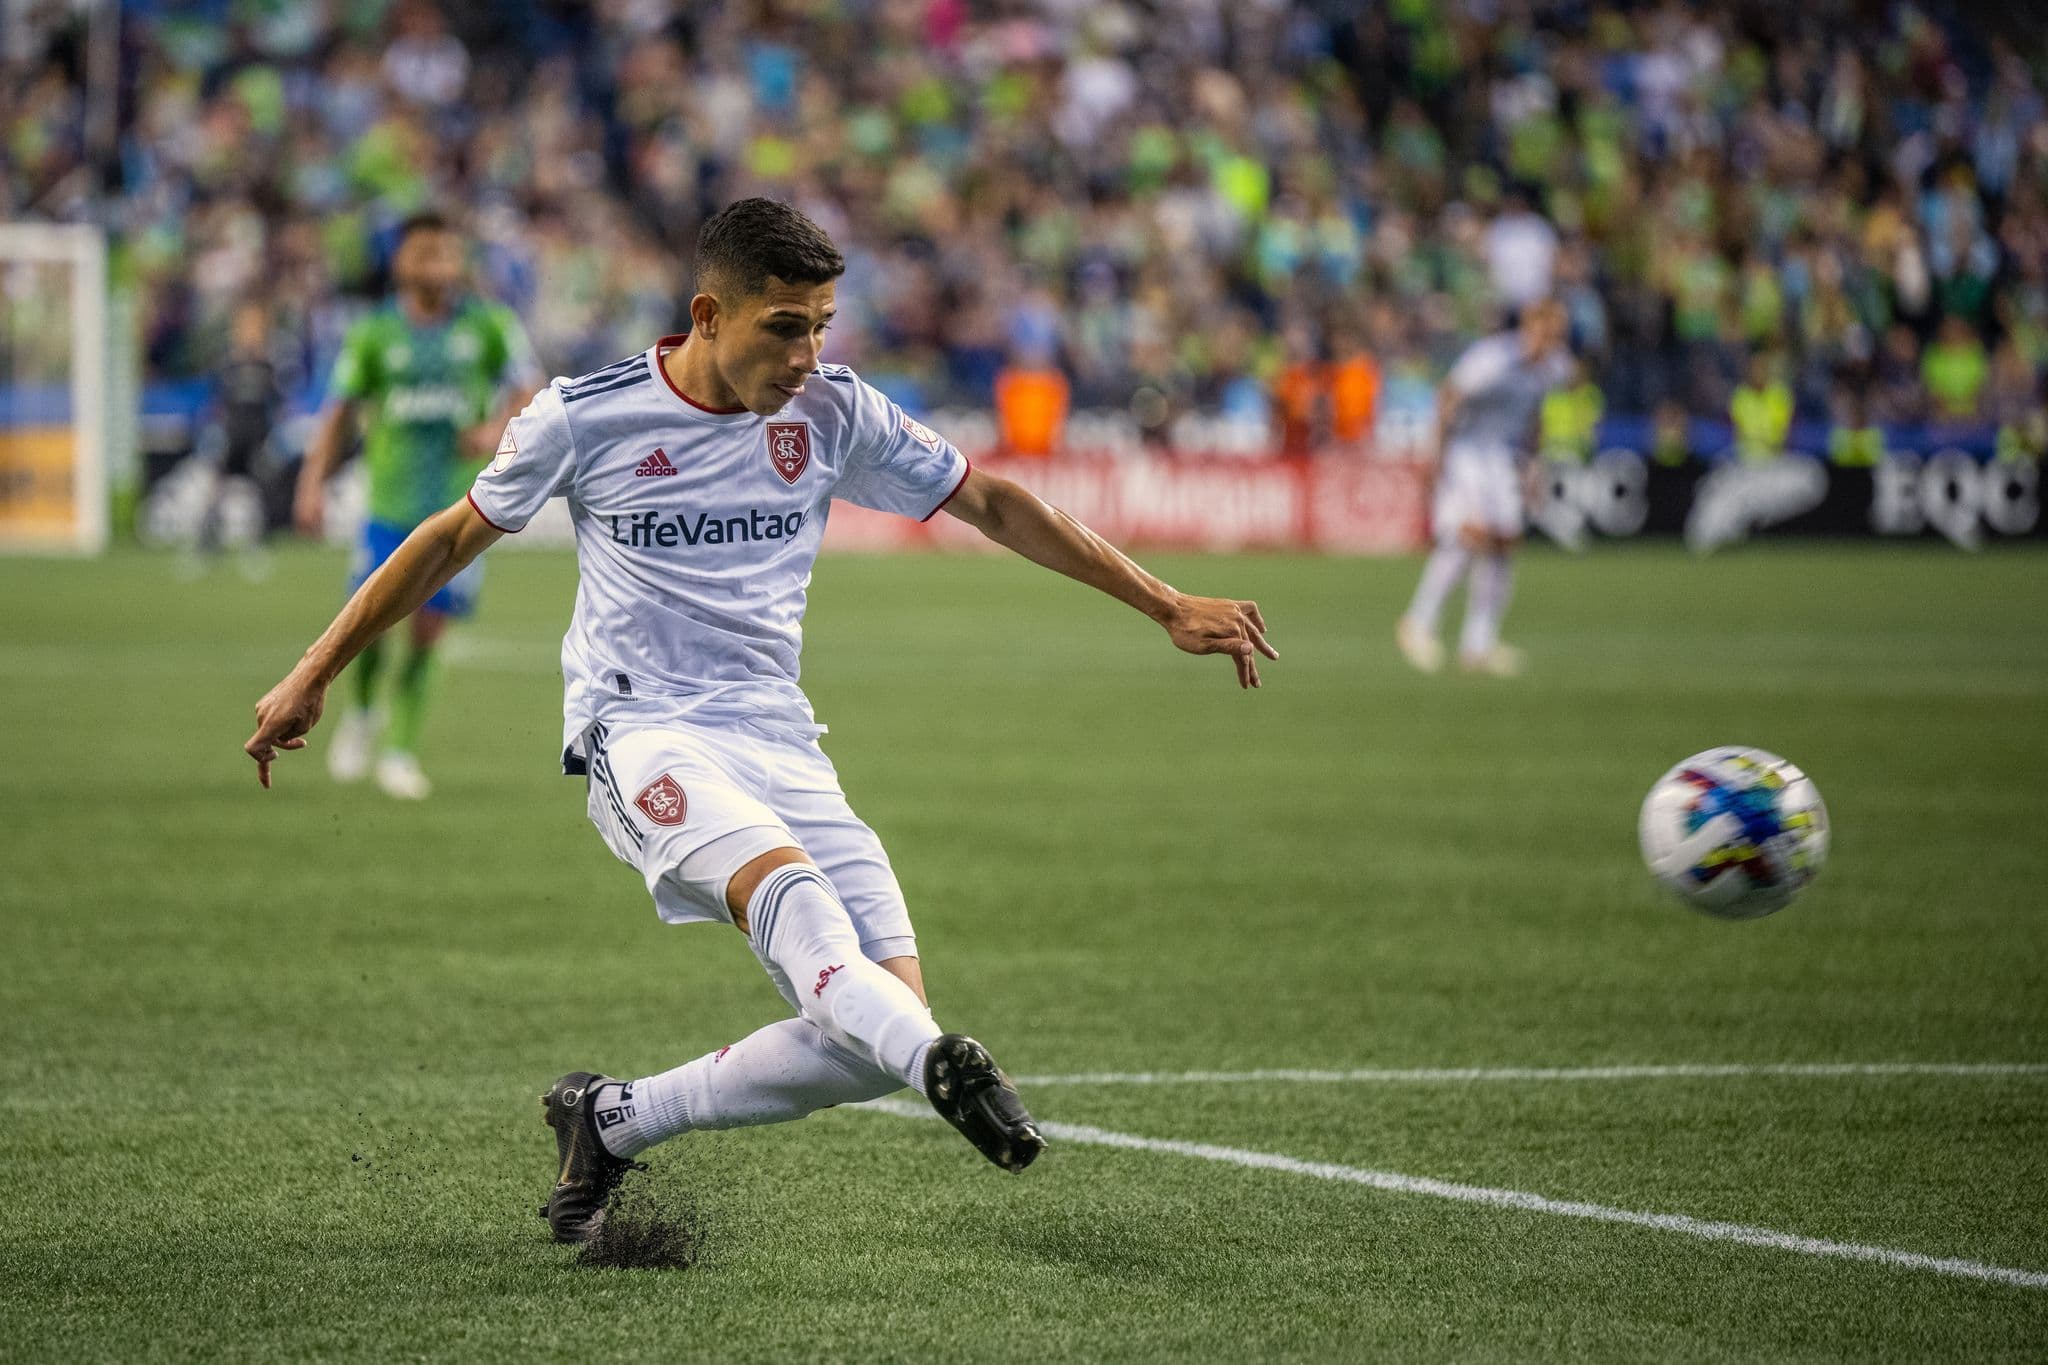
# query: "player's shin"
782 1072
797 923
1447 563
364 672
1493 581
409 699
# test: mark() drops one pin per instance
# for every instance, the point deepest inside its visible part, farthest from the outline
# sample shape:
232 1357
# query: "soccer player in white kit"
699 474
1487 412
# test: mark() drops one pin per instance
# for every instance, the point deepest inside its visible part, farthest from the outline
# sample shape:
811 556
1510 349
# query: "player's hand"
283 717
309 510
1219 625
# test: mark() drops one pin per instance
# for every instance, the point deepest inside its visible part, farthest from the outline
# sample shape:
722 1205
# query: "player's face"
429 263
767 344
1543 328
251 331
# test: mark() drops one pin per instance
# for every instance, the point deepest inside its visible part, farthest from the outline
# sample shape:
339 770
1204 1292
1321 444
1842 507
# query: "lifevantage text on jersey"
650 529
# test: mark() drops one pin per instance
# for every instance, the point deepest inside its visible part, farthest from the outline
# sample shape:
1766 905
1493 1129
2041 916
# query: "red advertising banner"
1338 505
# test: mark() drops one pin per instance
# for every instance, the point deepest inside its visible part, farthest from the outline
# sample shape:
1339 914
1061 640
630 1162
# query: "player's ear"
704 315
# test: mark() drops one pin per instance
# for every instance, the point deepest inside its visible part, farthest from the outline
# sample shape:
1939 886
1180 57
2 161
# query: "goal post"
54 437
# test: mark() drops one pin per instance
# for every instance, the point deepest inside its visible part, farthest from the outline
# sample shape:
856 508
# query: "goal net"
53 389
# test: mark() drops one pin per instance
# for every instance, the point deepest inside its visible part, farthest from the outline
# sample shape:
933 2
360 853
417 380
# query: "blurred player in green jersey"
433 375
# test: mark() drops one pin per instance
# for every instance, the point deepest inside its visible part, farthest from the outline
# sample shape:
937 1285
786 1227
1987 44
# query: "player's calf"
797 923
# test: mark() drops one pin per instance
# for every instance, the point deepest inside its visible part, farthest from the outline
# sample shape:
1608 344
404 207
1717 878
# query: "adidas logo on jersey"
654 465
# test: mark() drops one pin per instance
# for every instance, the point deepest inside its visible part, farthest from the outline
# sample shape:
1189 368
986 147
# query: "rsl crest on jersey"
789 449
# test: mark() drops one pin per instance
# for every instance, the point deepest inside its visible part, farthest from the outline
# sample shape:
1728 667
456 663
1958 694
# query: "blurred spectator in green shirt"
1761 410
1670 434
1569 422
1856 441
1955 369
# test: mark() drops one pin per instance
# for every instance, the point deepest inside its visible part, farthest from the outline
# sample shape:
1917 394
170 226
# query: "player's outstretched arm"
434 553
1014 518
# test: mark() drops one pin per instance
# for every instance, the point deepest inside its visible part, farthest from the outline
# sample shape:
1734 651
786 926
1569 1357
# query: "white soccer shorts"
686 806
1483 491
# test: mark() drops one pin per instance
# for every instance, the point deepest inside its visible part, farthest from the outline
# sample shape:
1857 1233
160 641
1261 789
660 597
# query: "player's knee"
741 887
903 965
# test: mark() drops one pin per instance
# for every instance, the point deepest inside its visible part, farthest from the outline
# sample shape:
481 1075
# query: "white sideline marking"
1438 1075
1704 1229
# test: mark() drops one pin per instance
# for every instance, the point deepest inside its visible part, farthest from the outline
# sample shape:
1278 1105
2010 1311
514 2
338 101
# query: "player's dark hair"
744 243
426 220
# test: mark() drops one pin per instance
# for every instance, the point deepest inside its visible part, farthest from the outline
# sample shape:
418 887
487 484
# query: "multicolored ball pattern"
1734 832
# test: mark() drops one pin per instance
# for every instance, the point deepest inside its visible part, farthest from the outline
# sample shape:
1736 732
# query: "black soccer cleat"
587 1173
970 1092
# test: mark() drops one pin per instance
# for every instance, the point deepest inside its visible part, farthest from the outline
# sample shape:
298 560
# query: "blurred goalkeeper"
1487 412
698 475
432 376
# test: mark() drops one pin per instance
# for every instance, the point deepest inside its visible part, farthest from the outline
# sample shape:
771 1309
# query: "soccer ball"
1734 832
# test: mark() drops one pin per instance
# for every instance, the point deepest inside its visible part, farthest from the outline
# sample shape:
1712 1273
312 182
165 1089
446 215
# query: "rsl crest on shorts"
663 801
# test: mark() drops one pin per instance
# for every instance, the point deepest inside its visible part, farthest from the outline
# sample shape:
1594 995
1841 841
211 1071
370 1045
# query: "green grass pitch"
270 1061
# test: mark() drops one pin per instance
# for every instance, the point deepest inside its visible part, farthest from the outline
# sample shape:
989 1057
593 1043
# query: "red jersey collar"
662 348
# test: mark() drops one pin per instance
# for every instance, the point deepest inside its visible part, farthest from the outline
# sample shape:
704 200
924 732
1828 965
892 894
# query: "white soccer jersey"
1500 392
696 529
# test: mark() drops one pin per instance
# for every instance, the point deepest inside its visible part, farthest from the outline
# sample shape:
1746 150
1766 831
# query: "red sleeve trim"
956 488
501 530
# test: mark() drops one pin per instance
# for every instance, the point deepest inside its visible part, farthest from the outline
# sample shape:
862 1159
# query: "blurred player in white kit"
1487 412
699 474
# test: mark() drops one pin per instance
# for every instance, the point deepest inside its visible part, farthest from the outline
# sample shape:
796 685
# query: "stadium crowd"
1285 213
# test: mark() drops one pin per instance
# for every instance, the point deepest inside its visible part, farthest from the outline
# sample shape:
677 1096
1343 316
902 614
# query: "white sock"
799 926
917 1068
773 1075
1493 582
1445 567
